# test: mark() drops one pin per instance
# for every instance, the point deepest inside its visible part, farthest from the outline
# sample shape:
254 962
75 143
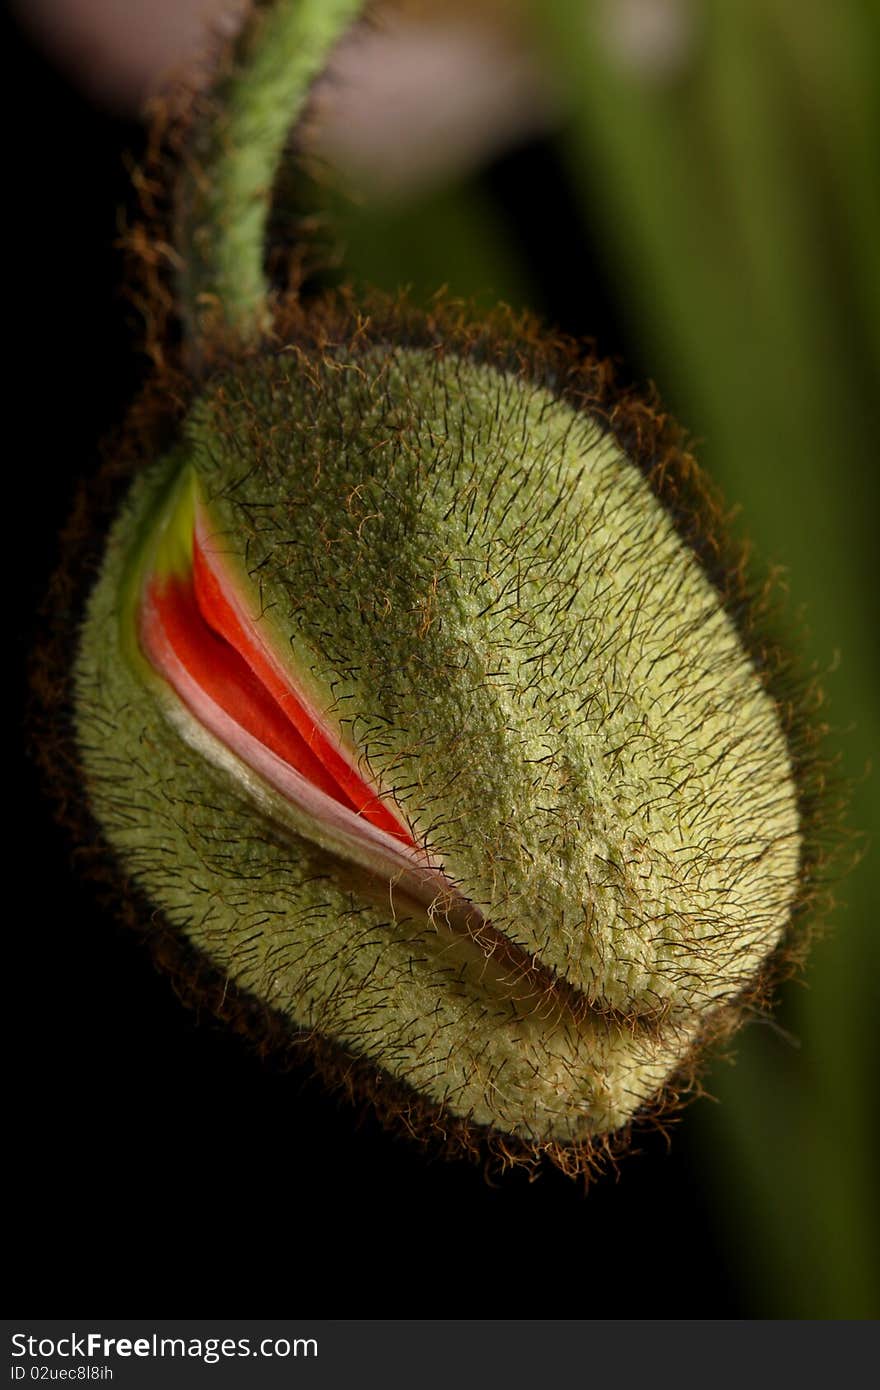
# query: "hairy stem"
237 145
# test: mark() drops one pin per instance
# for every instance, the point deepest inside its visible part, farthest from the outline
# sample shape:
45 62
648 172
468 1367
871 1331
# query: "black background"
156 1162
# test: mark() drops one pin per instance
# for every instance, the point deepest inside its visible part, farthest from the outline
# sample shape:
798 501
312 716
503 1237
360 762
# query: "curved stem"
225 193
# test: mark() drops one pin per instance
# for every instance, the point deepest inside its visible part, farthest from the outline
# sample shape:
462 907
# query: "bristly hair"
512 343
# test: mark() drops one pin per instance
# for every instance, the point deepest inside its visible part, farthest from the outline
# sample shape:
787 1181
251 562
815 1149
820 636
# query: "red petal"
224 657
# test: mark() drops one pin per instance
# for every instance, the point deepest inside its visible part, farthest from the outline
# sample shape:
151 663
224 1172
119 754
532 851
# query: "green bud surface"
573 841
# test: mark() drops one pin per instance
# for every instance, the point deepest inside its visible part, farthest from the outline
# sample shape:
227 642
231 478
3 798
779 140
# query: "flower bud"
411 694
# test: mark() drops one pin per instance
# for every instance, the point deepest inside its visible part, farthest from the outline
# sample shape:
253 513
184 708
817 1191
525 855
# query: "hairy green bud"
405 693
